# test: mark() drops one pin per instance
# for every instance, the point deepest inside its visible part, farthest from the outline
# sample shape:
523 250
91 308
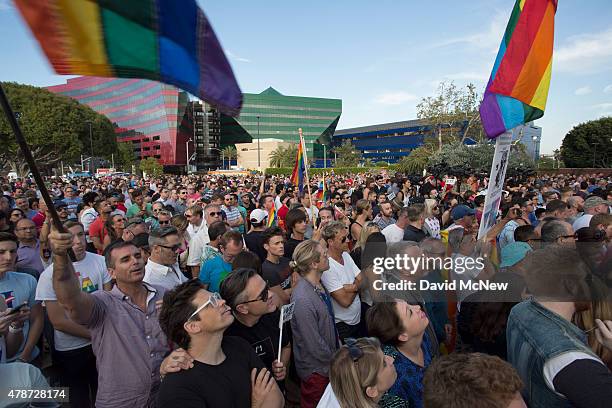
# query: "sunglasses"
213 300
215 214
263 296
164 222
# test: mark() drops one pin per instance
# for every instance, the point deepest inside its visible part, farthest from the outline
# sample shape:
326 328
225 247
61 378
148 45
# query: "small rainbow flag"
519 82
163 40
272 217
297 176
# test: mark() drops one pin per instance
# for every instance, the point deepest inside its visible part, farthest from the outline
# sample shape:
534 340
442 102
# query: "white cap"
258 215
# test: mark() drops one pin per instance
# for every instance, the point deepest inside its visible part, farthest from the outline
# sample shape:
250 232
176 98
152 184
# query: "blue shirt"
213 272
407 391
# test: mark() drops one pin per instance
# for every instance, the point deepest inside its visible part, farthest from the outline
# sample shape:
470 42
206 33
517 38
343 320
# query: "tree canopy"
56 128
283 156
346 155
589 144
151 166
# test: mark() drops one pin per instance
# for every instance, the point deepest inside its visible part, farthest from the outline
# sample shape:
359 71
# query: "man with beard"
550 353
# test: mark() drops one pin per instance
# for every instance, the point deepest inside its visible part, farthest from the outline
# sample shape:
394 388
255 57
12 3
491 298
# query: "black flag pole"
27 154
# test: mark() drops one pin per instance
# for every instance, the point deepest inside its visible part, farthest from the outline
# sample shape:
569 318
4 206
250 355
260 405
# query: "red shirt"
38 220
97 229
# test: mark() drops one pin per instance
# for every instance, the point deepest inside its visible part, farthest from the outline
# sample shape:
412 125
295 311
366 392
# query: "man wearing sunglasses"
256 318
124 326
212 214
226 371
162 268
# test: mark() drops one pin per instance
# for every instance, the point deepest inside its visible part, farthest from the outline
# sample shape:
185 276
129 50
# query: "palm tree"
229 153
276 156
416 161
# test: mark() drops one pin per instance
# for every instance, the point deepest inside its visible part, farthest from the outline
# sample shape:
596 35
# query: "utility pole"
258 148
113 160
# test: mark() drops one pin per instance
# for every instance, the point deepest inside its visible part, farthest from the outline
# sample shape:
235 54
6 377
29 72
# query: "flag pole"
306 174
27 154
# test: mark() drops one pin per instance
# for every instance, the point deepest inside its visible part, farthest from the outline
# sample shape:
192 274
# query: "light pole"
258 149
187 155
91 169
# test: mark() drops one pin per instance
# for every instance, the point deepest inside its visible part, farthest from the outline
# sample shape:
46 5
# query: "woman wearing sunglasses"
115 226
431 226
360 374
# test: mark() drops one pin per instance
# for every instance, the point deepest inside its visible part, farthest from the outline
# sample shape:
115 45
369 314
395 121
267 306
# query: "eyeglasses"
26 229
183 192
213 300
62 209
566 236
215 214
174 248
263 296
164 222
354 350
157 210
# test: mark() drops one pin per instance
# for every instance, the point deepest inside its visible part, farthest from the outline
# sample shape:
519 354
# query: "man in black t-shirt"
275 268
253 239
296 228
226 371
256 318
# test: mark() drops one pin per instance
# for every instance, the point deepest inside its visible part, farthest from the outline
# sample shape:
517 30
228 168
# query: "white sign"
450 181
390 196
496 183
286 314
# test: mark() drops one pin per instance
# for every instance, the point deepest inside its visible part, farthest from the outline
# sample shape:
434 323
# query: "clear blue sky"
379 57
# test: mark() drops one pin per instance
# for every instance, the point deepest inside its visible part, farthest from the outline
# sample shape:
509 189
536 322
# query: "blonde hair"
361 206
350 378
304 255
430 203
602 310
368 229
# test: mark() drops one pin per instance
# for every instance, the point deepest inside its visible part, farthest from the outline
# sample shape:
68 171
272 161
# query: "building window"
155 137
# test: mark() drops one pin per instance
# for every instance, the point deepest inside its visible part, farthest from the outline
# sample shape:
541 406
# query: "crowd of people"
166 291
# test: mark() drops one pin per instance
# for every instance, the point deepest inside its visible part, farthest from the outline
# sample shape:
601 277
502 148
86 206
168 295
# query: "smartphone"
17 309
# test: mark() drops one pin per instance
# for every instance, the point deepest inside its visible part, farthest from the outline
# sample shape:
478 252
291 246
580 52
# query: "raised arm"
78 304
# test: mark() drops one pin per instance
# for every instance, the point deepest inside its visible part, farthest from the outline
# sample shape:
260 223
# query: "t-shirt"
263 337
290 246
329 399
393 233
216 386
254 242
72 205
277 274
334 279
97 229
213 272
17 289
92 274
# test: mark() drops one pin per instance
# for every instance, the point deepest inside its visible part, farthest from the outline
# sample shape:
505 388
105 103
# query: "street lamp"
91 169
258 149
187 154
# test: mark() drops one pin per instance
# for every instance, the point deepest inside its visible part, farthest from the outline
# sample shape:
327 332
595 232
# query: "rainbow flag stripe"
518 87
164 40
297 176
272 217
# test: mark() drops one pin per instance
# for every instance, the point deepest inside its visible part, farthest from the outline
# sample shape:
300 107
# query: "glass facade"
273 115
149 115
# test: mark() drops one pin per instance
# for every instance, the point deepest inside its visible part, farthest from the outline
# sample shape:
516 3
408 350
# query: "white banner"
496 182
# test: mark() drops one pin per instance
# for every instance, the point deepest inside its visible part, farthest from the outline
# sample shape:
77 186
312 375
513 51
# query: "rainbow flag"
272 217
297 176
163 40
518 87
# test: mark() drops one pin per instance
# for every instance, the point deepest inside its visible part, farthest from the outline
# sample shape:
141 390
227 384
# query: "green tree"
416 161
283 156
125 156
229 153
347 155
151 166
588 144
55 127
449 108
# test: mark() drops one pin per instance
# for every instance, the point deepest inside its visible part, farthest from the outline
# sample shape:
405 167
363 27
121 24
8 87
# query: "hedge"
286 171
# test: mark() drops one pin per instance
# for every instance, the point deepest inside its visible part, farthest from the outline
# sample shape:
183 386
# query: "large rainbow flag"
297 176
518 87
163 40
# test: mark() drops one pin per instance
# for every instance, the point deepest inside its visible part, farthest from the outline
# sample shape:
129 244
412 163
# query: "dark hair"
539 212
136 193
293 217
3 215
524 233
279 188
556 205
234 284
375 247
384 323
484 381
176 308
108 251
271 232
247 259
7 236
89 198
216 229
262 200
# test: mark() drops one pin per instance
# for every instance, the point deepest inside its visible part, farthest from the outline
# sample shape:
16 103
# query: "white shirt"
393 233
334 278
165 276
582 222
194 230
87 218
92 274
328 400
196 248
554 366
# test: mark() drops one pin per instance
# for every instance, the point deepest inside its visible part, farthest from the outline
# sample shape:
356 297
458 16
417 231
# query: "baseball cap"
59 204
592 202
258 215
513 253
461 211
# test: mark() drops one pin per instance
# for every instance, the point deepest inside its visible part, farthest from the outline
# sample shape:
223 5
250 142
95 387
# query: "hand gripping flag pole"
27 154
